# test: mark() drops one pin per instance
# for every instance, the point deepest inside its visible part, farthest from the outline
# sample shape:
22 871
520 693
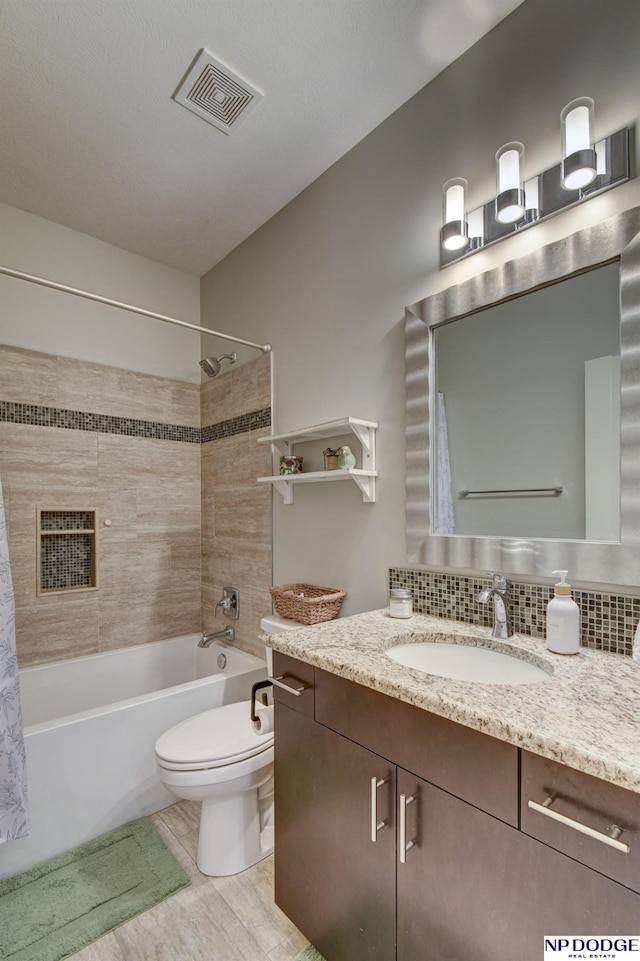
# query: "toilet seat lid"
216 737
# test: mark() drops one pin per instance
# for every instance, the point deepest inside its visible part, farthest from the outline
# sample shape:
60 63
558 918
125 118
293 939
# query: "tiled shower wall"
79 436
236 511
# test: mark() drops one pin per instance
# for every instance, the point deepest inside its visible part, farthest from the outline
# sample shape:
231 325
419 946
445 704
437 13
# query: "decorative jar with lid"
400 602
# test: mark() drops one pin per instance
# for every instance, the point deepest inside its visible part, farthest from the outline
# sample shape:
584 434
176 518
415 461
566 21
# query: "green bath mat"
308 954
58 907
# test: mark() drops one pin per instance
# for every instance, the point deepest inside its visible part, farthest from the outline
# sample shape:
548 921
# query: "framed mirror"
522 455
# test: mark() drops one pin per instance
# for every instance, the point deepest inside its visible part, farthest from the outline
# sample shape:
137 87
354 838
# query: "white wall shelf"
364 477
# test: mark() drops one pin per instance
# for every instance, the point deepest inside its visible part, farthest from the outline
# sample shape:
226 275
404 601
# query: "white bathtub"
90 728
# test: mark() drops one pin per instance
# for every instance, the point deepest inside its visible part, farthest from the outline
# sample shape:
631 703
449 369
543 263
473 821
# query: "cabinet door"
475 888
331 879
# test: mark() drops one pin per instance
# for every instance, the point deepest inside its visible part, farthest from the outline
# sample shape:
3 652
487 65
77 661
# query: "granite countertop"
586 715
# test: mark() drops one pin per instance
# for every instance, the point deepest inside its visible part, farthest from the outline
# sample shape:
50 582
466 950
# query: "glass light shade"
601 158
475 219
579 162
509 193
455 232
532 194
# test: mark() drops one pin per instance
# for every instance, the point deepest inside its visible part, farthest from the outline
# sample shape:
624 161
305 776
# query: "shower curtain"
14 822
445 523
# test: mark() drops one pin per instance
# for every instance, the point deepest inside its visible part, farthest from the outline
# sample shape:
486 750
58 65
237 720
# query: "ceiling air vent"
216 94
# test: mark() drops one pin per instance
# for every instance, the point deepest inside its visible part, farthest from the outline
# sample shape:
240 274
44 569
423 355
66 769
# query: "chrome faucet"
499 592
207 639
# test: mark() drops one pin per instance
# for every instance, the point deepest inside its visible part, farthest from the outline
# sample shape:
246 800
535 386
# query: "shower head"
211 365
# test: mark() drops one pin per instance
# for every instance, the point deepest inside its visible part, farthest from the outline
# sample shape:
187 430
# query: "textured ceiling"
92 139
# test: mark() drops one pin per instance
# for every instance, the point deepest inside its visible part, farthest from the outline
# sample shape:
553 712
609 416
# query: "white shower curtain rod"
43 282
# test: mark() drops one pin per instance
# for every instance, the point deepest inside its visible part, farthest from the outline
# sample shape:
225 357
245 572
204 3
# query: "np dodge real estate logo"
575 947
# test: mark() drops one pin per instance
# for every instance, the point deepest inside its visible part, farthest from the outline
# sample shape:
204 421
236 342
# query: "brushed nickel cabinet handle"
610 839
375 824
280 682
403 846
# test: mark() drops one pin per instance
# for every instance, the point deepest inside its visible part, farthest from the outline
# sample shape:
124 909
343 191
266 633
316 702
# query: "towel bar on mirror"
516 490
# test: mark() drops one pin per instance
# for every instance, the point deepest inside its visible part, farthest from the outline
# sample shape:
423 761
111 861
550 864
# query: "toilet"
218 758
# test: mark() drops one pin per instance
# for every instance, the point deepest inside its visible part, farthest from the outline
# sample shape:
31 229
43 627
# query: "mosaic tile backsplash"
608 621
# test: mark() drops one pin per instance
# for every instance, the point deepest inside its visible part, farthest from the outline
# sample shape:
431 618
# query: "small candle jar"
291 465
400 602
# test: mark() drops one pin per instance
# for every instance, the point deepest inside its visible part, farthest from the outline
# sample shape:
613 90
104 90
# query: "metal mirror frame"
588 561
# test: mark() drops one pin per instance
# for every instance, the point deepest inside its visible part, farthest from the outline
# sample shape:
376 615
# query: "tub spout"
207 639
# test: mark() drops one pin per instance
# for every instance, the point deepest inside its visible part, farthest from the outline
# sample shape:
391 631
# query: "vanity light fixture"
586 168
579 161
509 194
455 230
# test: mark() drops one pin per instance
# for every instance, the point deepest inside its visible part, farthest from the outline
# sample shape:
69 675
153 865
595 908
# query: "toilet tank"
273 624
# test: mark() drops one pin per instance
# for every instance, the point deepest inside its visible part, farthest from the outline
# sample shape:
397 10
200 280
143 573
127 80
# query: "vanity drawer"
293 674
473 766
585 801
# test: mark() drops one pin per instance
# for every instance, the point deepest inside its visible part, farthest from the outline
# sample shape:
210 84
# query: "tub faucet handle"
229 602
225 604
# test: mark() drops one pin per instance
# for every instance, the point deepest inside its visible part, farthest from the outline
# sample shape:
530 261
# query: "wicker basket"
306 603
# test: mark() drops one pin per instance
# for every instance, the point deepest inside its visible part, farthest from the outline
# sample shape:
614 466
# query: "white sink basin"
466 662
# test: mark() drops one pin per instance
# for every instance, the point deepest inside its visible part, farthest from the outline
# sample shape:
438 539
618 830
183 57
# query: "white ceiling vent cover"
217 94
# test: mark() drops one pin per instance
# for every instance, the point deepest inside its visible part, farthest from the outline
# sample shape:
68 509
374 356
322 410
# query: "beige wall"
157 496
39 318
328 278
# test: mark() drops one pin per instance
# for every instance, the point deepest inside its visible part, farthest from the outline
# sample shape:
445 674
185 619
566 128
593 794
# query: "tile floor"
214 919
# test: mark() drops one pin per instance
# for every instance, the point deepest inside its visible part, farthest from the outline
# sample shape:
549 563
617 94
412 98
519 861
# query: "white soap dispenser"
563 619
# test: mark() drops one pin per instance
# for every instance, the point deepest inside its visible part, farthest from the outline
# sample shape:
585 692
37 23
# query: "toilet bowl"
218 758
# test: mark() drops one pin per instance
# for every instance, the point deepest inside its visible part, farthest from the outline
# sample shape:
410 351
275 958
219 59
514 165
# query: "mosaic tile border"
256 420
607 621
35 415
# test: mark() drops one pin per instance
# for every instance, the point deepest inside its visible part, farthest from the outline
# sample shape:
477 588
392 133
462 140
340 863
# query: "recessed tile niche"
66 551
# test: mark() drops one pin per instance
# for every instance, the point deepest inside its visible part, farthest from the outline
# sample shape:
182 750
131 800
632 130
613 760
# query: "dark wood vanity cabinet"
478 889
337 886
471 885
